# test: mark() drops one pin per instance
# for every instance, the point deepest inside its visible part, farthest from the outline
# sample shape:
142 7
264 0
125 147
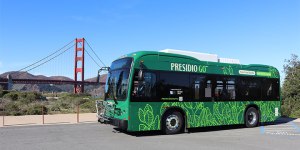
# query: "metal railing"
40 115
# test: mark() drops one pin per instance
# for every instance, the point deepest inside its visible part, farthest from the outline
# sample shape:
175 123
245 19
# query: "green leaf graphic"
141 115
143 127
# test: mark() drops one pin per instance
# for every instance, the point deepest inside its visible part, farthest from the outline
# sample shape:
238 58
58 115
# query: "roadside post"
3 113
78 113
43 117
3 116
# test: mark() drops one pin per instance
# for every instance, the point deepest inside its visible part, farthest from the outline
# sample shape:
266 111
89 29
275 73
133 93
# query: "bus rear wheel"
172 122
251 117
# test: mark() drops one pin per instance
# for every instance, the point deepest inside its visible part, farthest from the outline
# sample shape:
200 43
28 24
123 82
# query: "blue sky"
254 31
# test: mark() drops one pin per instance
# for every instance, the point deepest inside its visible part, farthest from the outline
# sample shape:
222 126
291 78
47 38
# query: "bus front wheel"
172 122
251 117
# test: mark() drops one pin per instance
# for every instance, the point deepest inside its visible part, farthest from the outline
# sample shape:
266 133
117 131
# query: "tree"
291 87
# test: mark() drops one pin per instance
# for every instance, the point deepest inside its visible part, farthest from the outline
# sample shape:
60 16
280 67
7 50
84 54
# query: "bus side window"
197 92
208 89
198 86
270 89
249 88
230 86
224 89
145 89
219 90
174 86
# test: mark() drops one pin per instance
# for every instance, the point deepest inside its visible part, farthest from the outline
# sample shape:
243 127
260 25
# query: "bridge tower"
79 65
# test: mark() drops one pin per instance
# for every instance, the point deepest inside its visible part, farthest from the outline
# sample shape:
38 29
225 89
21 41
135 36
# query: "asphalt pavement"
92 136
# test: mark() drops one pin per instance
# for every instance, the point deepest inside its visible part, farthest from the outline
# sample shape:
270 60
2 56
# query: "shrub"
12 96
295 114
27 98
37 109
31 103
80 101
89 105
12 108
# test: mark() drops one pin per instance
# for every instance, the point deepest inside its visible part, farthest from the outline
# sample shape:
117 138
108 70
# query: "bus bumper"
121 124
100 107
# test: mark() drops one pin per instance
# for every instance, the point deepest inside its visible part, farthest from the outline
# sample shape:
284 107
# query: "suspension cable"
47 56
46 61
95 53
18 73
93 59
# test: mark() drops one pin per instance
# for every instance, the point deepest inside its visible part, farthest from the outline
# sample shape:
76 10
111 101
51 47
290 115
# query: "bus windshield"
117 80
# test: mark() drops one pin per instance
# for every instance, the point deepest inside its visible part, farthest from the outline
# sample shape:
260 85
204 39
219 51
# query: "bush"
54 107
27 98
89 105
12 108
295 114
37 109
80 101
31 103
12 96
285 110
24 97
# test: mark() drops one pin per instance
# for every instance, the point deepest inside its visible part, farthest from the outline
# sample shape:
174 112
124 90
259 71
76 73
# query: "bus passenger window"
249 88
270 89
219 90
173 86
208 89
224 89
197 85
144 89
230 86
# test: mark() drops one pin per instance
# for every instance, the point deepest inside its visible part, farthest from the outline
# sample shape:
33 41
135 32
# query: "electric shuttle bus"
174 90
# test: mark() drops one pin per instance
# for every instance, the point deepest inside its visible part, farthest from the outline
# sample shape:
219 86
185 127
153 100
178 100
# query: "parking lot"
98 136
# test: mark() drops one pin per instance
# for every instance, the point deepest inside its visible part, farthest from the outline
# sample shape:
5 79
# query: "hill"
94 90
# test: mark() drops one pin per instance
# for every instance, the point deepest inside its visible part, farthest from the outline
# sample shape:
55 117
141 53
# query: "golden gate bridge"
79 45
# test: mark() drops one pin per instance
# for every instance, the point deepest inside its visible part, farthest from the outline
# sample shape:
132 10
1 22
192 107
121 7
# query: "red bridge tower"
79 65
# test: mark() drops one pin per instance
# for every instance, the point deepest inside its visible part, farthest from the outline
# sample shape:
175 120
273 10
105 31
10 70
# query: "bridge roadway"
40 81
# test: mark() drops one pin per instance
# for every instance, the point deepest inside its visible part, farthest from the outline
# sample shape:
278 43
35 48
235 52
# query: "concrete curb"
32 120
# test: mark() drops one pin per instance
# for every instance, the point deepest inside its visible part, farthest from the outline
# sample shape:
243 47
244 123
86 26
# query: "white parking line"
274 128
283 133
290 129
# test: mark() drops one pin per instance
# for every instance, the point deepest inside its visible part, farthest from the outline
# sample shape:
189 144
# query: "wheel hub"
252 117
172 122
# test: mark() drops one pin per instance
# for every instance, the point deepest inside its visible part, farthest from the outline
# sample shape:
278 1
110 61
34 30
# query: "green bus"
150 90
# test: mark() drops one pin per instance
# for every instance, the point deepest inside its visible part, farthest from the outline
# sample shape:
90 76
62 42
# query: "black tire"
172 122
251 117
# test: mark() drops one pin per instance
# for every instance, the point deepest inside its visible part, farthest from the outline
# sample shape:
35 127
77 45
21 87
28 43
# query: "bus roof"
243 68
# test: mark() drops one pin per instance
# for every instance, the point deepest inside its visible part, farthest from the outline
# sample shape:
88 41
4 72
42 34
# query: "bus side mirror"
141 75
100 70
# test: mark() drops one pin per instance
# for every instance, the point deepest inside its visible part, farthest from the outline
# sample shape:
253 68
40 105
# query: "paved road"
105 137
